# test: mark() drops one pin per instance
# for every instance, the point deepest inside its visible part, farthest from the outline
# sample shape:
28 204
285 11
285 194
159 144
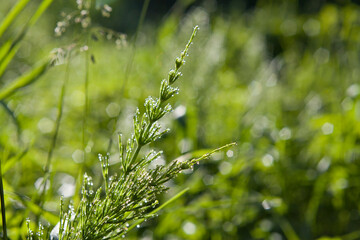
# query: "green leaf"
7 59
10 17
41 9
13 160
8 51
48 216
24 80
4 49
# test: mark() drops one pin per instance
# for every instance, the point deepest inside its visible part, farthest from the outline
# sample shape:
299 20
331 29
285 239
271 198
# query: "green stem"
86 107
138 147
161 102
3 205
56 133
132 56
133 158
130 62
86 90
84 119
12 15
14 119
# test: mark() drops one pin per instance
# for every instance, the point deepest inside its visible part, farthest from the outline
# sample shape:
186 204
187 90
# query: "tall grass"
132 192
7 52
129 195
276 78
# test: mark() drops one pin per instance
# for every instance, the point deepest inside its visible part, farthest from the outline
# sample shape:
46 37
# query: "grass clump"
130 196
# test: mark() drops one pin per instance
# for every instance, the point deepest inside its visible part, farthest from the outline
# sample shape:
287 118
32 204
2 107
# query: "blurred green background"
281 78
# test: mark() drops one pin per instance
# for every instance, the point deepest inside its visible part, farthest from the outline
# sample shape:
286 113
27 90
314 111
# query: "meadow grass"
285 89
144 184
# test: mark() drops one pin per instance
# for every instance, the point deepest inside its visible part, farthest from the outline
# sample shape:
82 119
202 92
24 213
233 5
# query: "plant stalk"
2 196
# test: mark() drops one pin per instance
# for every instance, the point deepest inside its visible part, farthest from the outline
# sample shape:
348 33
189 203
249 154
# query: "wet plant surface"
280 80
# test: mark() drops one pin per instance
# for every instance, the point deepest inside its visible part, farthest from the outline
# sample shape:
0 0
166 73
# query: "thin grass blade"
11 16
48 216
8 51
14 118
4 49
24 80
152 213
13 160
2 198
4 63
41 9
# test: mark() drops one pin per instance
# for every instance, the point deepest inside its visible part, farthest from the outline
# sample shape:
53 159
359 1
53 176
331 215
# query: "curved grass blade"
48 216
13 160
14 119
8 51
10 17
30 206
24 80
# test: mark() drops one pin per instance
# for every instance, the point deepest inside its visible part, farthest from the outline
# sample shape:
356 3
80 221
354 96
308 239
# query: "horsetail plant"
131 196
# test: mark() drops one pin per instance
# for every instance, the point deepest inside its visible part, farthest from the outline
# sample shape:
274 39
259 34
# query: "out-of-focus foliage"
278 77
